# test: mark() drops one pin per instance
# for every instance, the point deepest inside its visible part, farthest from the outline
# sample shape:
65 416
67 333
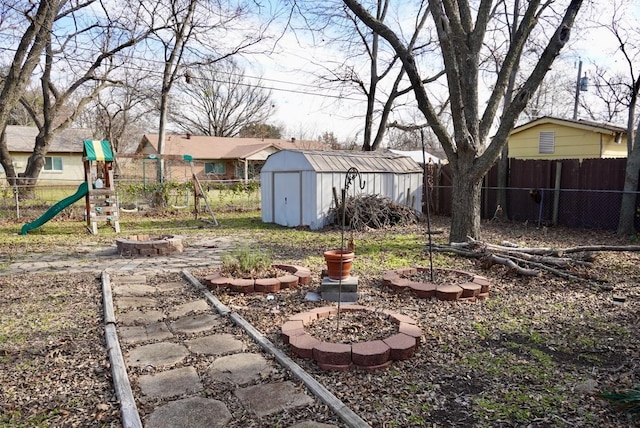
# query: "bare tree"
196 32
261 130
627 90
461 36
612 90
330 140
382 81
34 24
219 100
121 112
85 44
19 115
554 97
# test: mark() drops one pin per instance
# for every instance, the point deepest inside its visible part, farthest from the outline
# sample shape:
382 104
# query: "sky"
302 105
306 110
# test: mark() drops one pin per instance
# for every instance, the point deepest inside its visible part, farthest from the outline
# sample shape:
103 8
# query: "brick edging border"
370 355
476 288
149 245
298 275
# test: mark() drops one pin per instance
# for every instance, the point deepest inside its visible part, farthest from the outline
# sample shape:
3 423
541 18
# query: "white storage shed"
298 185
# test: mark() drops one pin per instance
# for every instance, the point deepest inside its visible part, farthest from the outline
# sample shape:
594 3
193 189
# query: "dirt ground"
538 353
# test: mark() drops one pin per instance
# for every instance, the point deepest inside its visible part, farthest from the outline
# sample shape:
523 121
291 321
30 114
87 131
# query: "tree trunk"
35 163
18 75
465 206
6 160
164 105
628 213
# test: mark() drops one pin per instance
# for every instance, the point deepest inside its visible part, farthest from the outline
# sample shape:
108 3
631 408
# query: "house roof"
602 128
341 161
207 147
419 156
21 139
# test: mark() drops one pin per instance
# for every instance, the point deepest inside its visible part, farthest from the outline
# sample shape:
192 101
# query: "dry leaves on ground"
537 353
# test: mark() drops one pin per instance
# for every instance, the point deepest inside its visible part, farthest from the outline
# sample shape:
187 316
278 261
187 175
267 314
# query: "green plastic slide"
54 210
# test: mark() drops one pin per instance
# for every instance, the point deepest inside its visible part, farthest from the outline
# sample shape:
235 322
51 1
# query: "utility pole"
581 85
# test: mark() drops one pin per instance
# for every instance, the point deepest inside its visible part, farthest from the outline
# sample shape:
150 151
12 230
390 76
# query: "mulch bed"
353 326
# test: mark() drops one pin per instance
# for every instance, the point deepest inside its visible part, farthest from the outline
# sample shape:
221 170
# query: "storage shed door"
286 203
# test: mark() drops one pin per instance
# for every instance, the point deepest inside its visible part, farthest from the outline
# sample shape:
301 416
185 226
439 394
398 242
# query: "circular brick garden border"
371 355
297 275
149 245
475 288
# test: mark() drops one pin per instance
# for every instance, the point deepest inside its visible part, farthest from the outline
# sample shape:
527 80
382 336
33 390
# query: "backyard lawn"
539 352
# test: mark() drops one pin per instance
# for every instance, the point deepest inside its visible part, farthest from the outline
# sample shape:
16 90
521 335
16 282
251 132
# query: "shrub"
246 263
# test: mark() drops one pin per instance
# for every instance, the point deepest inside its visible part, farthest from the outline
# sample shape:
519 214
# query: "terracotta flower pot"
339 263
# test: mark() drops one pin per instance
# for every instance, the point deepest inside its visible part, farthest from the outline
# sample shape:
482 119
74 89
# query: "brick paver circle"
369 355
295 275
470 287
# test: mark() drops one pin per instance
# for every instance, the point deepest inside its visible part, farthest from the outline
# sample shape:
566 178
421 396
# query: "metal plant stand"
350 176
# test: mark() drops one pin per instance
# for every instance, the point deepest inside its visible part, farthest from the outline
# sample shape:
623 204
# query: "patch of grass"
517 403
416 420
38 420
536 337
515 363
481 329
413 388
542 357
246 262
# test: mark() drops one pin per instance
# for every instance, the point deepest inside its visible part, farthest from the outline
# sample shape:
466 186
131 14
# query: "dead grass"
537 353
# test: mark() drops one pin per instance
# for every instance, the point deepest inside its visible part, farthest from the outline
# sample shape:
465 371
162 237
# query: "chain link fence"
574 208
587 209
135 197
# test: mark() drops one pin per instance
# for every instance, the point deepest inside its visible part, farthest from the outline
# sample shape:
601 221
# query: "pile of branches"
524 261
373 212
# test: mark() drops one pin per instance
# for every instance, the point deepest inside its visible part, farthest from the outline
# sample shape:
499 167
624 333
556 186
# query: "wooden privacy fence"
566 192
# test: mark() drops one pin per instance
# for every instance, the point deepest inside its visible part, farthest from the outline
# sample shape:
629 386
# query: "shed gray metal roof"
342 160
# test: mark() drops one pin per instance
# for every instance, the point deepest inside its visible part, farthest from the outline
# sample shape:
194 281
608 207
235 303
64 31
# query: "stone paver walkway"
160 346
160 341
198 253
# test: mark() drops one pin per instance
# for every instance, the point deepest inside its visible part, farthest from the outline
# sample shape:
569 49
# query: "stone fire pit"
147 245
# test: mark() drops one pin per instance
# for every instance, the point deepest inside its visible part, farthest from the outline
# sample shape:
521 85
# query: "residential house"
553 138
218 158
63 161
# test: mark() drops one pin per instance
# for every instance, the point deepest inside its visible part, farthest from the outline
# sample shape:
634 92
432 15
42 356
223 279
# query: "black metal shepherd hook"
425 184
349 177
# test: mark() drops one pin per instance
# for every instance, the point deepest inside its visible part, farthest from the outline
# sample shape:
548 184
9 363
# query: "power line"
272 88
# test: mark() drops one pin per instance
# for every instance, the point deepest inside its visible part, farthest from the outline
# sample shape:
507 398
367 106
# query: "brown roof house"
218 158
63 162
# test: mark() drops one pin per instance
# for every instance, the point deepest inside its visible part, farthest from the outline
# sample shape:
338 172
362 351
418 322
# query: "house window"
253 170
547 142
215 168
52 163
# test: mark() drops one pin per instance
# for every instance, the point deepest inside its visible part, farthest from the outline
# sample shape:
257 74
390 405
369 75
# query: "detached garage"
297 185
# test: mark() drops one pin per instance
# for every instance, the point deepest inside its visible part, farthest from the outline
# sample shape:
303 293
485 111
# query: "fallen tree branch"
512 265
531 261
553 270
